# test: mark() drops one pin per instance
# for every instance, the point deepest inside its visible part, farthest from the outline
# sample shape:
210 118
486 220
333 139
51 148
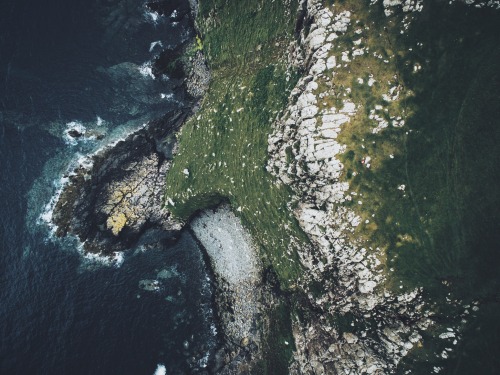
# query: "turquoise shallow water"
87 63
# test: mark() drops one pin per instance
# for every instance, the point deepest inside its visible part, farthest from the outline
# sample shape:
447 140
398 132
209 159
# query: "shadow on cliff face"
450 165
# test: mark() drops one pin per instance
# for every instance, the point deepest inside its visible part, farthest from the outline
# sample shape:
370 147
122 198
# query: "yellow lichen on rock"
116 222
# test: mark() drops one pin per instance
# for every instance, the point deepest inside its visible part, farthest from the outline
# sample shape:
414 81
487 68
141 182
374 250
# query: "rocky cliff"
361 322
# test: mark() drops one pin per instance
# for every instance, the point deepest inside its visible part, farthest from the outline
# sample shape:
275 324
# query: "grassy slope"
224 147
453 164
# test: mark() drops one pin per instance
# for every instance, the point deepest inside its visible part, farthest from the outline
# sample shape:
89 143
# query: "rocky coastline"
115 198
118 195
241 294
112 204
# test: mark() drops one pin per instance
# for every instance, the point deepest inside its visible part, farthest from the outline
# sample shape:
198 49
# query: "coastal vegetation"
420 156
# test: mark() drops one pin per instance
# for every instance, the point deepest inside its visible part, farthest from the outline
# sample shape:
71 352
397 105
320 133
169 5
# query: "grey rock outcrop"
237 268
198 76
118 193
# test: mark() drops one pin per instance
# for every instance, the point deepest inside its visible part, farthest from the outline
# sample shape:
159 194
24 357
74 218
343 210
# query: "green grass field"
224 146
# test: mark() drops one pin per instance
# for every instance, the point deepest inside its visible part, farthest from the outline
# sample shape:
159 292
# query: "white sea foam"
152 17
213 329
166 96
150 285
46 216
146 70
116 138
79 160
48 210
154 44
204 361
169 273
160 369
73 125
114 260
84 161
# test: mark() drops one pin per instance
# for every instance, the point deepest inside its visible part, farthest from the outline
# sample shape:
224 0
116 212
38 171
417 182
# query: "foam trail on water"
146 69
48 210
46 216
114 260
160 370
153 17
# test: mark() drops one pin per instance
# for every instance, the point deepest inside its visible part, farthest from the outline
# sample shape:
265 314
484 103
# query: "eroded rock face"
350 275
109 202
116 194
199 76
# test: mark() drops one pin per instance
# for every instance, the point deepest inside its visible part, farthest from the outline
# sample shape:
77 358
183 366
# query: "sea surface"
87 65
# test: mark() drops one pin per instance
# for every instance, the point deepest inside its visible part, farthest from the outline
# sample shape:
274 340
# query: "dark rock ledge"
112 205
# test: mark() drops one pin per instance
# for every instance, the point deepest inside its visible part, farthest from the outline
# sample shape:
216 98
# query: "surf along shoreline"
116 199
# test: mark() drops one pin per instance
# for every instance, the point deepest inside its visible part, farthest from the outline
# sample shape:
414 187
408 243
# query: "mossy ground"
224 146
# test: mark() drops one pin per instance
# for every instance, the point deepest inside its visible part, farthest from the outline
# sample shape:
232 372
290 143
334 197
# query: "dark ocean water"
86 62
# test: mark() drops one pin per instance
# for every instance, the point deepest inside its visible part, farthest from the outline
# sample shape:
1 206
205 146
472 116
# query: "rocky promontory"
238 270
118 195
337 163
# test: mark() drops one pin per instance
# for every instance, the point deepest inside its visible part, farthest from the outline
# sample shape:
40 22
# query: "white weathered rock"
309 111
367 287
350 338
228 244
318 67
306 99
316 38
331 62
